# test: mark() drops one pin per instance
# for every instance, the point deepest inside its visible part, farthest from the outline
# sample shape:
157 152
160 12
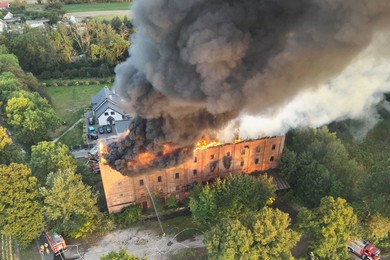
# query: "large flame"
204 144
145 158
102 151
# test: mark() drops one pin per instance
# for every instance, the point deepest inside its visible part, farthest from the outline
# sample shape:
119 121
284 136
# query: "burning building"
209 161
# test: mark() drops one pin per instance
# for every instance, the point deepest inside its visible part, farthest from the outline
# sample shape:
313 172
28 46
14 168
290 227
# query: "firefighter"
42 249
47 248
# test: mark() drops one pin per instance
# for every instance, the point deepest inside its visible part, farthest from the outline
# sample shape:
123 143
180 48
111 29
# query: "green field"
75 8
70 103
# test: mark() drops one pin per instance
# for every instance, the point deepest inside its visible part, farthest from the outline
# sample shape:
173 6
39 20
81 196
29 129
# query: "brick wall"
214 162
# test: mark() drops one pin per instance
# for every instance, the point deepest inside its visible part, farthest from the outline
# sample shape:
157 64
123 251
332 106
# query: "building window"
141 182
121 195
256 160
177 187
159 179
228 154
212 156
177 175
195 159
106 113
271 159
243 151
273 146
258 149
112 113
242 162
195 171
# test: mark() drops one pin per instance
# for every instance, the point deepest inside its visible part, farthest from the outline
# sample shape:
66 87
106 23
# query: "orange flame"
204 144
102 150
167 149
145 158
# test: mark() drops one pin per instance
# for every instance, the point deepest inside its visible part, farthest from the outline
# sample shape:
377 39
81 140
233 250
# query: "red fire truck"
364 249
57 242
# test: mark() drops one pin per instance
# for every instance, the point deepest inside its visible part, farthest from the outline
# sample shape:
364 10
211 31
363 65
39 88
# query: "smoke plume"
196 65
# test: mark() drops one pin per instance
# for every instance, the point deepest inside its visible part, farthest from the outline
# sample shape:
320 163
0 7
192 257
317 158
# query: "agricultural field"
75 8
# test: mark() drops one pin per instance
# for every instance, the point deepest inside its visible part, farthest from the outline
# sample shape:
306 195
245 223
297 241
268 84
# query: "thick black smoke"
196 64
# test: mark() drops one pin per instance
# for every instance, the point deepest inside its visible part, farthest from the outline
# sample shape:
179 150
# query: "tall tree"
47 157
333 223
31 118
9 152
317 164
262 235
20 211
231 197
69 204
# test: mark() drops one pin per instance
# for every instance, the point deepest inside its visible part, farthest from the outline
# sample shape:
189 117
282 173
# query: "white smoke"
353 94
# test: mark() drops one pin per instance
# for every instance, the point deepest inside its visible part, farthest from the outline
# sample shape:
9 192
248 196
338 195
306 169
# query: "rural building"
247 156
105 108
4 5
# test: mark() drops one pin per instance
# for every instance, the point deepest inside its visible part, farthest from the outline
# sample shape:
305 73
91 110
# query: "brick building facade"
246 156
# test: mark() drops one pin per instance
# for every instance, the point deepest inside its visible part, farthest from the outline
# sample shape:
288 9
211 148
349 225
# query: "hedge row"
78 82
83 72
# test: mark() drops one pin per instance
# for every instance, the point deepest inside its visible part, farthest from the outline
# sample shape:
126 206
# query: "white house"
106 109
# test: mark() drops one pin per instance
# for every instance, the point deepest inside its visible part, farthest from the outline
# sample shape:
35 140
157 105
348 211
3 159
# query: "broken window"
271 159
195 159
141 182
213 165
177 175
242 162
273 146
159 179
243 151
257 149
177 187
194 171
256 160
212 156
227 162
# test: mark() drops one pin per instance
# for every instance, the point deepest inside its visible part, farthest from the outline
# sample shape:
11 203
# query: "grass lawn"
74 8
74 136
70 103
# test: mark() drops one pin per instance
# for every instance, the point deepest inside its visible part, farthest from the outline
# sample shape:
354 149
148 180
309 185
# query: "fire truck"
364 249
57 242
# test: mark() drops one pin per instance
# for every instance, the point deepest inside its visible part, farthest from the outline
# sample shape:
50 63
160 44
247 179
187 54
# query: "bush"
171 202
129 215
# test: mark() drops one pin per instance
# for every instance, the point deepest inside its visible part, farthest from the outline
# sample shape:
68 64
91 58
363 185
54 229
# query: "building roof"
105 99
121 126
4 4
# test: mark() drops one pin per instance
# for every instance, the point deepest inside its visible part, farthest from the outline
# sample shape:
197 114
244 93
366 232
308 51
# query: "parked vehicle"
109 129
56 242
93 136
91 130
101 130
364 249
91 120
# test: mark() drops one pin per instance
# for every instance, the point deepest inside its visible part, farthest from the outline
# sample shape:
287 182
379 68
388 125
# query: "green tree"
121 255
20 211
9 152
63 43
231 197
47 157
35 51
317 164
31 118
333 223
262 235
377 229
69 205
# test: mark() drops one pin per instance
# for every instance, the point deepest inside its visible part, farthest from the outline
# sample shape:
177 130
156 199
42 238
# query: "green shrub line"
76 82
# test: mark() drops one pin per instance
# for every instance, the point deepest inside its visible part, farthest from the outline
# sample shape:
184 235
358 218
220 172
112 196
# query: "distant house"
4 5
8 16
37 23
3 26
105 108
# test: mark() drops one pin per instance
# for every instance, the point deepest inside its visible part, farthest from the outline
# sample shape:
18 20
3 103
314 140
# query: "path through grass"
74 8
